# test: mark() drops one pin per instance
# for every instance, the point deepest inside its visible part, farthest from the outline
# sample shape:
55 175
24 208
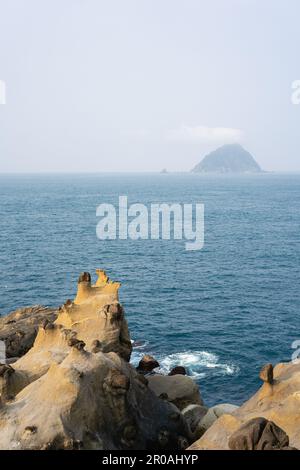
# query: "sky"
141 85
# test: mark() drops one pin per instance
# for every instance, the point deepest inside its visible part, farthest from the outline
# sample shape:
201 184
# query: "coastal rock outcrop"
147 364
266 373
259 434
75 389
72 387
178 370
212 415
177 389
278 401
194 414
19 329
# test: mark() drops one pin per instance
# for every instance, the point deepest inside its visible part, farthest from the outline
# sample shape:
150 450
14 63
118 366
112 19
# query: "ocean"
222 312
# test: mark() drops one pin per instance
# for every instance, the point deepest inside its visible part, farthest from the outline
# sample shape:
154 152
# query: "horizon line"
83 172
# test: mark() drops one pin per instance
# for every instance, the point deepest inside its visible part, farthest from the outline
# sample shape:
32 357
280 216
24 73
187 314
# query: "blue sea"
222 312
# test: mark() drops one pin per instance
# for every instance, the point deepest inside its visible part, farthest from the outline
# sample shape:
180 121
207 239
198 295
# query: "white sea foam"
138 351
139 344
197 363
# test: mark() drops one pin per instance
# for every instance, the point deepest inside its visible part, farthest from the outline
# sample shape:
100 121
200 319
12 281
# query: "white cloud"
205 134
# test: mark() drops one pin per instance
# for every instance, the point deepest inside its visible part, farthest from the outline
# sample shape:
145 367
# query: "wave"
198 364
138 350
136 344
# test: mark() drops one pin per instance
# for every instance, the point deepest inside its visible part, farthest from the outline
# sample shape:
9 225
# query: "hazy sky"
134 85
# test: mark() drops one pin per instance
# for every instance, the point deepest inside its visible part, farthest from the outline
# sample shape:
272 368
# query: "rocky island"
230 158
67 383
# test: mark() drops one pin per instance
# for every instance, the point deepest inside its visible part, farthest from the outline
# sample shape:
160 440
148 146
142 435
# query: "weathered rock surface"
74 389
266 373
19 328
212 415
178 370
193 415
259 434
278 402
147 364
177 389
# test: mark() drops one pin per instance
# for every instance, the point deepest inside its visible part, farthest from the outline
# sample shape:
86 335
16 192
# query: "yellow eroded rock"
75 389
278 402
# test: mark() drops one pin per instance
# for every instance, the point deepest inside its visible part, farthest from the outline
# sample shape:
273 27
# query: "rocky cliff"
68 384
277 401
19 329
74 388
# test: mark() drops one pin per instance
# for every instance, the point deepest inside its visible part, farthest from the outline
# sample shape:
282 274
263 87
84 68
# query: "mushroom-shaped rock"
279 403
84 277
76 343
266 373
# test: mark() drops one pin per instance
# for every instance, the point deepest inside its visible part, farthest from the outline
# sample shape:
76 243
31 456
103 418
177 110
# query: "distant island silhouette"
230 158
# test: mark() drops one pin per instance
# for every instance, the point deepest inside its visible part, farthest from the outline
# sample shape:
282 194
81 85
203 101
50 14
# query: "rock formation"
74 388
147 364
178 370
19 328
177 389
230 158
194 415
266 373
69 385
259 434
211 416
278 400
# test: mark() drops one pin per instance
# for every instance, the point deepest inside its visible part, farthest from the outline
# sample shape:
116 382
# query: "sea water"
222 312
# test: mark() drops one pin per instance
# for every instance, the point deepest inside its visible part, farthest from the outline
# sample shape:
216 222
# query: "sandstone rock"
19 328
96 346
258 434
278 402
212 415
266 373
96 401
84 277
180 389
147 364
193 415
11 360
75 389
5 370
97 317
177 370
